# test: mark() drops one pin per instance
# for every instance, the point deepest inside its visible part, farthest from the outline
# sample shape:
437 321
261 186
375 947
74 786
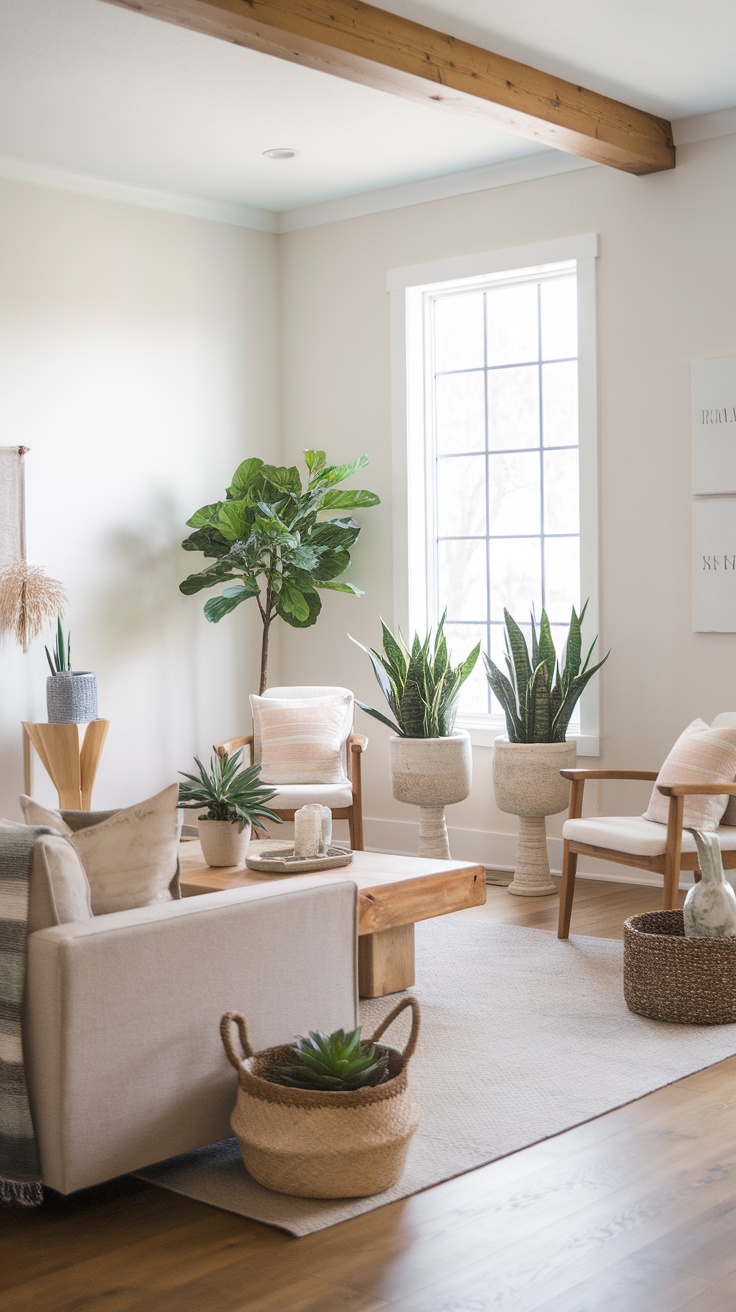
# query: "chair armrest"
357 742
685 790
231 745
578 777
573 775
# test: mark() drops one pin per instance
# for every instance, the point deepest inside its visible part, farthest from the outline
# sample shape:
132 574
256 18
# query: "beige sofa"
123 1055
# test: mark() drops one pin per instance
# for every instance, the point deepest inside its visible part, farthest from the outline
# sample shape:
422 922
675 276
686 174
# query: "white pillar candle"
325 831
308 831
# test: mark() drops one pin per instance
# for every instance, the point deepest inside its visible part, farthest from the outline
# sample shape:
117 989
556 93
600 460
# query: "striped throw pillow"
303 741
700 756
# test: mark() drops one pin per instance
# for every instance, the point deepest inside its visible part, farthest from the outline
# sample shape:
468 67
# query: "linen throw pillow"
130 858
303 741
700 756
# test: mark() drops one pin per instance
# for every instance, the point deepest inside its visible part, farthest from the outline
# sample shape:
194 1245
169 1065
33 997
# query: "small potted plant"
235 800
538 699
328 1117
431 764
71 695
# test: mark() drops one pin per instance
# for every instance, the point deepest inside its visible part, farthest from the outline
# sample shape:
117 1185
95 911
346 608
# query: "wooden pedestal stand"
70 754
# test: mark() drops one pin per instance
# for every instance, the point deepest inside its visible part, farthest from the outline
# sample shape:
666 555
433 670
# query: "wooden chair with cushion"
664 848
343 794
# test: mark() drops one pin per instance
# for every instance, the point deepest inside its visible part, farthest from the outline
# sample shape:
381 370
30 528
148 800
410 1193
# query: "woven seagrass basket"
315 1144
690 981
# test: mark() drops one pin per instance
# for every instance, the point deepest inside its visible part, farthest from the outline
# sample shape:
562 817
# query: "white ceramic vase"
527 783
224 843
431 773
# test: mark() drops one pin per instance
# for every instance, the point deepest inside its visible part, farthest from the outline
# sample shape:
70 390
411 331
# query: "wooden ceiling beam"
359 42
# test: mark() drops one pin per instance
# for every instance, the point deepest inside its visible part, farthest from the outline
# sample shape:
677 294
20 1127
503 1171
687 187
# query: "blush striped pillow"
700 756
303 741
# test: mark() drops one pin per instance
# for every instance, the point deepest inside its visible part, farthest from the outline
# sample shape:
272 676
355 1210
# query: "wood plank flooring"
632 1212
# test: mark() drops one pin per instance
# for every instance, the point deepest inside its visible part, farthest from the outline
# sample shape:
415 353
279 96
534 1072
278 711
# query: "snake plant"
419 684
540 693
337 1061
228 792
60 662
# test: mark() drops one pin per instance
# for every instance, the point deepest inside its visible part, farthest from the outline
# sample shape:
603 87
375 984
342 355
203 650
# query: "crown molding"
703 127
196 207
542 165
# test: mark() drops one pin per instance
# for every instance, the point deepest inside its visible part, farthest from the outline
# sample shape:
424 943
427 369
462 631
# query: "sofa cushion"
635 835
701 755
58 891
302 740
130 858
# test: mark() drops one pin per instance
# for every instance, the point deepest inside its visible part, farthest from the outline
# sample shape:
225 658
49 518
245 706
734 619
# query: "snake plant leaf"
518 652
396 654
370 710
571 698
504 691
546 651
535 643
573 648
538 695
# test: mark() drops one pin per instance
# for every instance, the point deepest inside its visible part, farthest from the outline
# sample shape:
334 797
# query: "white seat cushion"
635 835
292 796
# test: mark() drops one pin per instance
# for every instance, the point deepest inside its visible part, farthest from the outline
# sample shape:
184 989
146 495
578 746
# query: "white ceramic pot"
527 783
224 843
431 773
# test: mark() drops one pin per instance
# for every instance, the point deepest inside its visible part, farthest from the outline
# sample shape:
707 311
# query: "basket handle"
409 1001
226 1024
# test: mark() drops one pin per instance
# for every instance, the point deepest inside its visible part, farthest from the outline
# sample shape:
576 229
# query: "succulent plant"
540 694
419 684
61 661
337 1061
228 792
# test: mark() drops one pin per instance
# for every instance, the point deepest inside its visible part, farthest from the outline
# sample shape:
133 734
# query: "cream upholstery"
345 800
635 835
636 841
123 1056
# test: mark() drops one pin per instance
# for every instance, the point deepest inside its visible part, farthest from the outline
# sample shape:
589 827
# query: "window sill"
485 729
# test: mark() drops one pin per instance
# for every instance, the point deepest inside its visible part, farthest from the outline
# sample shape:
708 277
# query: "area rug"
523 1036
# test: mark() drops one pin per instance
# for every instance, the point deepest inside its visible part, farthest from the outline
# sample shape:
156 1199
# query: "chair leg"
567 889
351 829
672 855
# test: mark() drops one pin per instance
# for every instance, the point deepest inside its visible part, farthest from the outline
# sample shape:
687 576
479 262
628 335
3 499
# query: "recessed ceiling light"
280 152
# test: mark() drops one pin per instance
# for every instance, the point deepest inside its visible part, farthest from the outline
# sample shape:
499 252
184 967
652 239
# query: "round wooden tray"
275 859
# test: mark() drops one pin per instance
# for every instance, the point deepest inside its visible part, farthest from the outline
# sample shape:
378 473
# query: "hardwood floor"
632 1212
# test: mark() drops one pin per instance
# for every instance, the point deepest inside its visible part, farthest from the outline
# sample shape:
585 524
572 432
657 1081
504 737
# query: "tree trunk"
264 654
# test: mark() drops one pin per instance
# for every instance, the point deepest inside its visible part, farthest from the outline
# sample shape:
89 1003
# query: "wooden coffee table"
393 893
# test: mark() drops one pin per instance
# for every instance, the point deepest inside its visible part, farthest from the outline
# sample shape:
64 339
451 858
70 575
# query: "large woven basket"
690 981
315 1144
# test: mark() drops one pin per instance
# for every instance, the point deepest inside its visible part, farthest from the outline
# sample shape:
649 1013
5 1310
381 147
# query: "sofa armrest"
124 1060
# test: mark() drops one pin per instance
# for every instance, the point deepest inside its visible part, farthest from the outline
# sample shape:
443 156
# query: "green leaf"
336 534
205 517
208 578
331 474
232 520
283 479
336 500
349 588
315 462
314 606
246 478
217 607
518 652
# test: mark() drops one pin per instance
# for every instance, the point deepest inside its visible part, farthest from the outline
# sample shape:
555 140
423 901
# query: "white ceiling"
95 90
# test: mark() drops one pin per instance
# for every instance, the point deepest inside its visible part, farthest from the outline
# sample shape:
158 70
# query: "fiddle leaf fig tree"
270 539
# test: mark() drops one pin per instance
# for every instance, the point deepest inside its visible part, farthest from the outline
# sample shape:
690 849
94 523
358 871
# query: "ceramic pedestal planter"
431 773
527 783
223 843
71 697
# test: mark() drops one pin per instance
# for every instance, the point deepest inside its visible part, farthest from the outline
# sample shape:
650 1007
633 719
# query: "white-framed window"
495 453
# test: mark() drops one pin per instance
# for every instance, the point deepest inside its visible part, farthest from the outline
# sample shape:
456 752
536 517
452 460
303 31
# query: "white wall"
667 289
139 362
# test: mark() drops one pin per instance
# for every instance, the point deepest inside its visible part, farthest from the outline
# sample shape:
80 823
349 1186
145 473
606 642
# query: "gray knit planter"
71 698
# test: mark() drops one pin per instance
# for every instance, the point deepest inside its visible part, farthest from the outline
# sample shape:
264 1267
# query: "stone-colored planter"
527 783
431 773
223 843
71 697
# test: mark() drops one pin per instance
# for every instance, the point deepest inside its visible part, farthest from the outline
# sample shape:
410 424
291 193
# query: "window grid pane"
505 465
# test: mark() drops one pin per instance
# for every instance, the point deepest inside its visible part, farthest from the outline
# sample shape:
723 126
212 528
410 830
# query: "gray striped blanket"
20 1168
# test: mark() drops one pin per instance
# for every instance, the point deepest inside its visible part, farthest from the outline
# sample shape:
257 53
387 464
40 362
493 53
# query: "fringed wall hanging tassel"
29 599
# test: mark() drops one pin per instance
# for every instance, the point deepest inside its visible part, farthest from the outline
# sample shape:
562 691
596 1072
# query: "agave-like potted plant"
431 763
71 695
538 698
232 800
330 1116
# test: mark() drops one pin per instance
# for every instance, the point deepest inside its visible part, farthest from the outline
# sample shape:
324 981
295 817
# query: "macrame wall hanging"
29 599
